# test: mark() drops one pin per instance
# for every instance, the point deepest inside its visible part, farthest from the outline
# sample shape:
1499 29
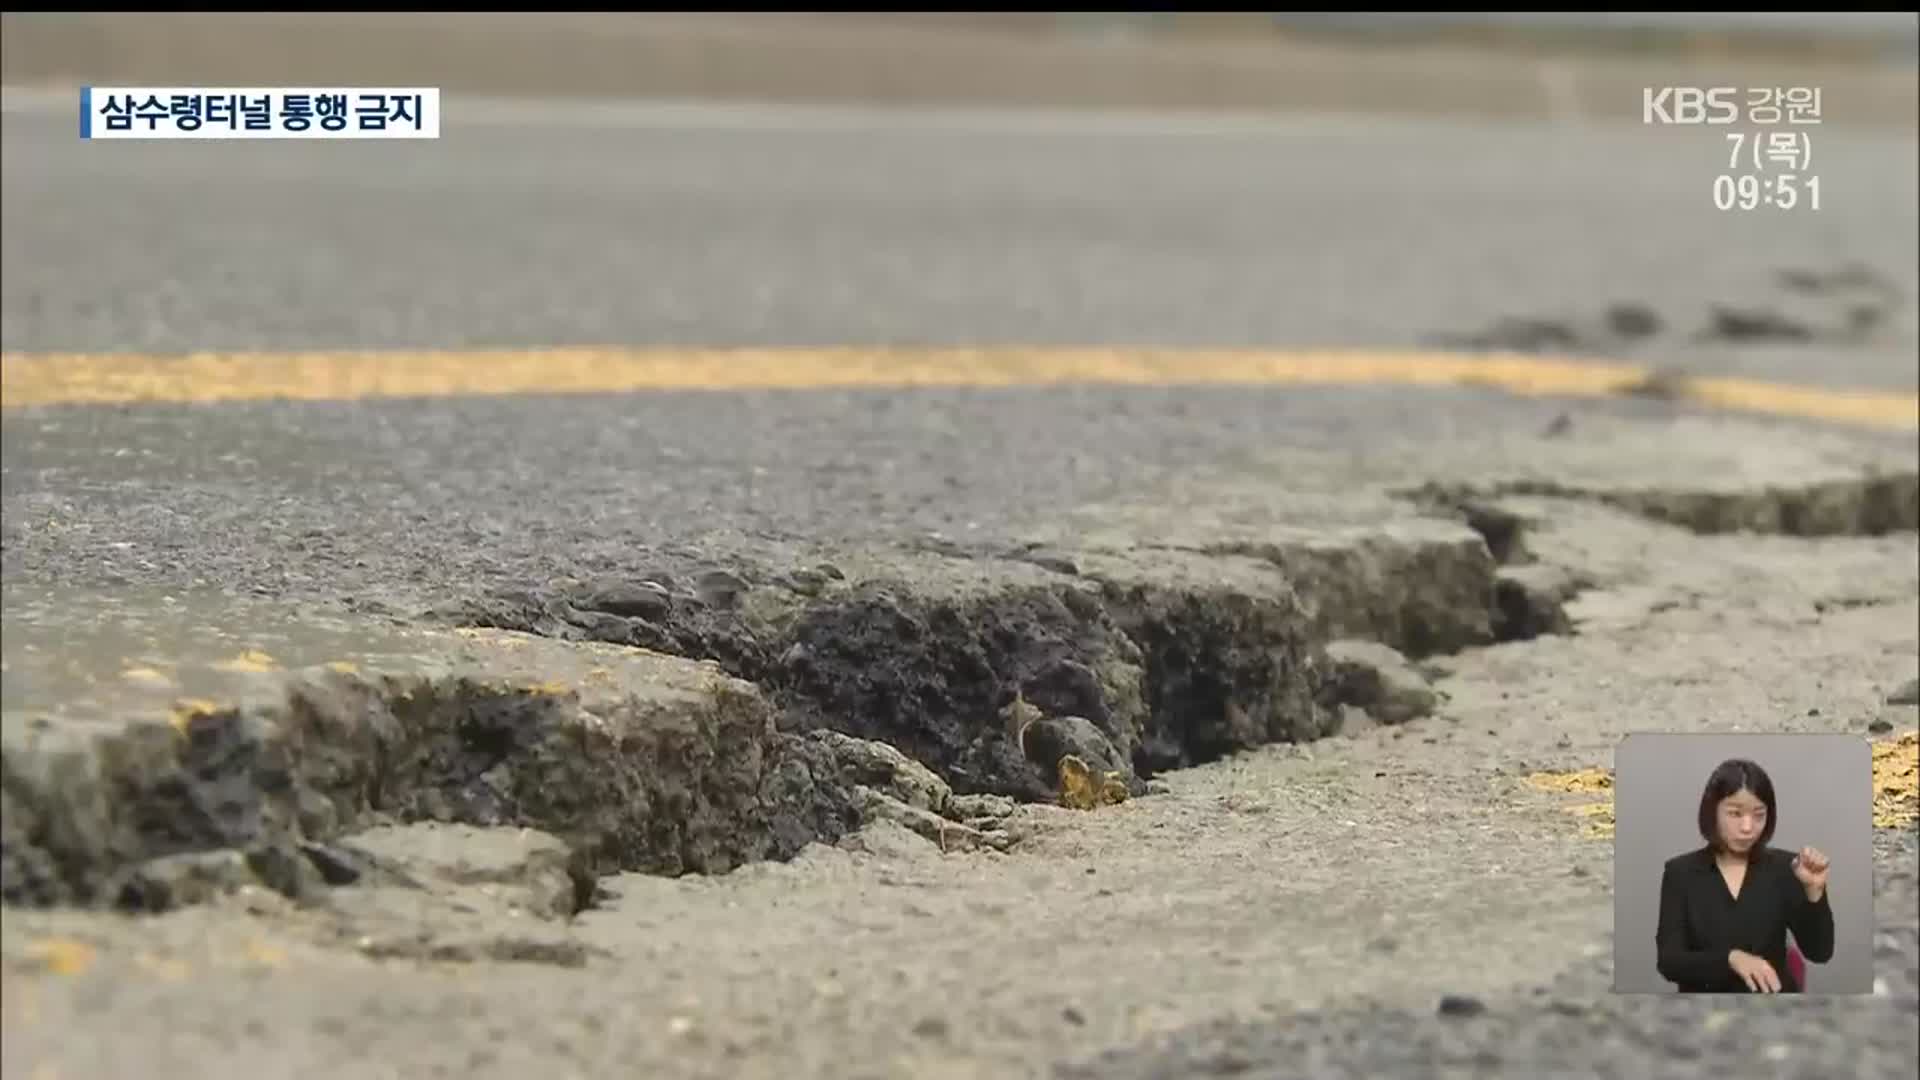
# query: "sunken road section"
691 720
674 724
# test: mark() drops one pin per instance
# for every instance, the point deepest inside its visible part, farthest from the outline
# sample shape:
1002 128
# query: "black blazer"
1700 921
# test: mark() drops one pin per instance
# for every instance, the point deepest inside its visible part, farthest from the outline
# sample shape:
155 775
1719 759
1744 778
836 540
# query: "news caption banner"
279 112
1782 176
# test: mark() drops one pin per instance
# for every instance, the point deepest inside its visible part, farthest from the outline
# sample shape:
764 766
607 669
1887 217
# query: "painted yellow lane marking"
60 379
1593 781
1896 781
63 956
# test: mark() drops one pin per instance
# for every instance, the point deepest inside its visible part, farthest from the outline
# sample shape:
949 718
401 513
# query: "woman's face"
1743 817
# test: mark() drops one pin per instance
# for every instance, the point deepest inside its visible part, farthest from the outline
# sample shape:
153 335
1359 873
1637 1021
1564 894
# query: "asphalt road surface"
544 225
552 225
537 225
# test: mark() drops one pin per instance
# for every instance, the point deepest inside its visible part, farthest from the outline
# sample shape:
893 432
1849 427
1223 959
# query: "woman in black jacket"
1726 908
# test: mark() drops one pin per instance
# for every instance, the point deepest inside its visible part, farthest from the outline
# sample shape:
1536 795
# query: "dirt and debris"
1374 678
1531 601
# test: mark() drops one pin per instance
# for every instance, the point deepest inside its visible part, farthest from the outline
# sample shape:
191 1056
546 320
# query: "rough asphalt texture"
1290 910
1371 875
671 230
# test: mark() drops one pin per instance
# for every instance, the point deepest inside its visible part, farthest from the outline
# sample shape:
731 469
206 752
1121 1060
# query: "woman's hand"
1810 866
1755 972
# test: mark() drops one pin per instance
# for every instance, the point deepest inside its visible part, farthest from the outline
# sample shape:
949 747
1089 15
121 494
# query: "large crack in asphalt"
738 714
772 710
1871 505
1172 658
672 769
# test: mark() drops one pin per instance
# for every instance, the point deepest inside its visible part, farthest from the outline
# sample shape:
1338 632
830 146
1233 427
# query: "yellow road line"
53 379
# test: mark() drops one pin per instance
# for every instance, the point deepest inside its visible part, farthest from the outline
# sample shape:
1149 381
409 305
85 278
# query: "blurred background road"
1565 66
1278 183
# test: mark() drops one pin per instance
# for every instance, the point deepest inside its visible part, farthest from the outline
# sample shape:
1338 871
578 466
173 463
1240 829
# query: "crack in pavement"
774 851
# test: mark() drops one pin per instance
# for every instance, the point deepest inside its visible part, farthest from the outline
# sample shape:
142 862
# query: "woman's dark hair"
1729 778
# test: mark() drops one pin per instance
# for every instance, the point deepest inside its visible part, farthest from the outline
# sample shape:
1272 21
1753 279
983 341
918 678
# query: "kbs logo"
1689 105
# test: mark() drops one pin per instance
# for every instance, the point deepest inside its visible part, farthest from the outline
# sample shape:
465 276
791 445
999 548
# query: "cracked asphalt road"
761 226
